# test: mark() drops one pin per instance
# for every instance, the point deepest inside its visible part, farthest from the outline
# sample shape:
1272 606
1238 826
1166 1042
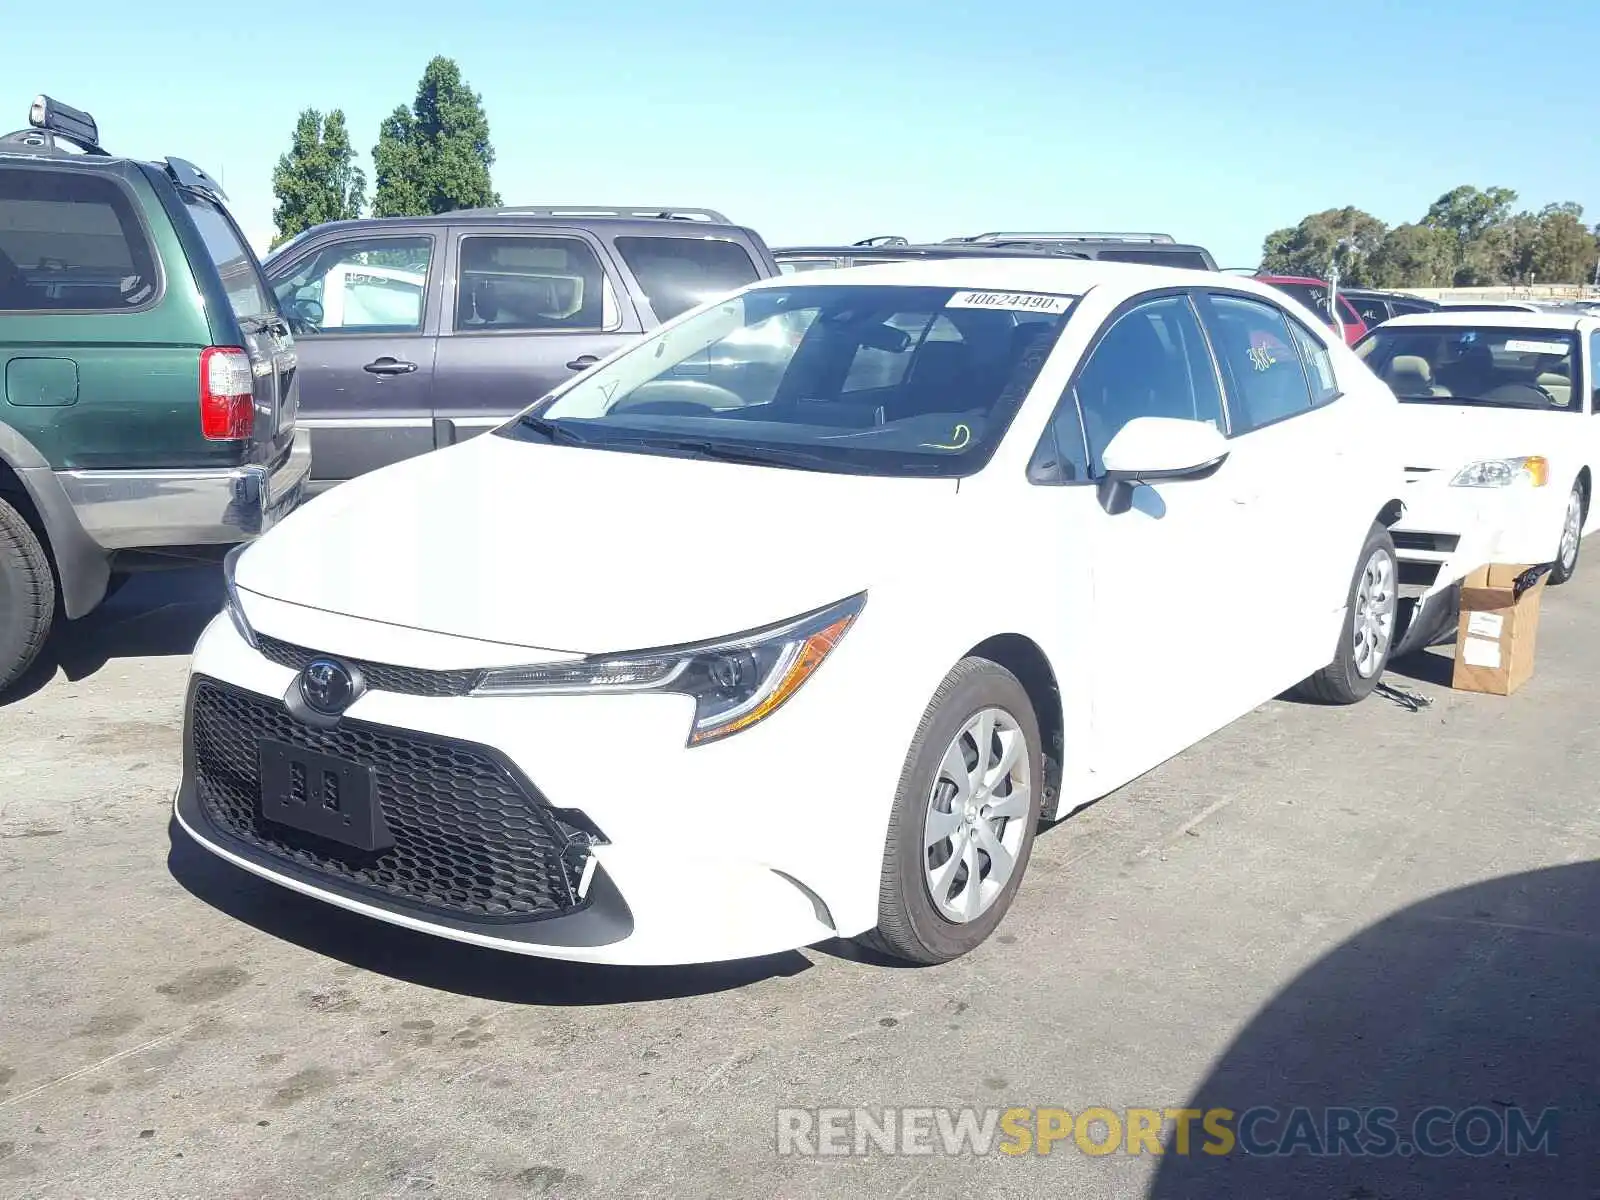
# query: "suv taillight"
227 394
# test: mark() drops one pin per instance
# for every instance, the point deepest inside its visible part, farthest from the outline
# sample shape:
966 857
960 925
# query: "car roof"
1495 319
515 216
1071 276
1292 279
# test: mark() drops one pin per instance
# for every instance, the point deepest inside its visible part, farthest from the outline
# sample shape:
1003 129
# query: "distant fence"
1537 291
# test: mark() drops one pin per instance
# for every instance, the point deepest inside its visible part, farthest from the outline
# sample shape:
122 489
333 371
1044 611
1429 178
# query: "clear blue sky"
1214 120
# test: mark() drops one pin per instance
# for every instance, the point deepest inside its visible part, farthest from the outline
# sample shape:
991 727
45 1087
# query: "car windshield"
869 379
1481 365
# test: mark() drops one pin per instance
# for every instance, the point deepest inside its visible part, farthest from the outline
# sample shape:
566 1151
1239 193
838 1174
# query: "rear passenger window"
1594 372
1318 364
71 242
678 273
1151 363
1265 377
514 282
232 258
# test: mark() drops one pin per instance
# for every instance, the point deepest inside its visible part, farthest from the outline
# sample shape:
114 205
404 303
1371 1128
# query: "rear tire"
1571 544
27 595
964 817
1367 638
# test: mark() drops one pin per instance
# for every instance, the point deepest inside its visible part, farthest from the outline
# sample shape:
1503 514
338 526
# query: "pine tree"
317 180
435 156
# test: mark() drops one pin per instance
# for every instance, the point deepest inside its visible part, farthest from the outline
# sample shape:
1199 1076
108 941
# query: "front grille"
471 839
1440 543
382 677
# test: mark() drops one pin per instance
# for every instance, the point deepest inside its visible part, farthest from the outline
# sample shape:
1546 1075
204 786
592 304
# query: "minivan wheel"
964 817
1368 634
27 595
1566 564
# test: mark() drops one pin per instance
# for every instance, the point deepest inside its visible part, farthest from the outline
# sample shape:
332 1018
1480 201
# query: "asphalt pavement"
1315 907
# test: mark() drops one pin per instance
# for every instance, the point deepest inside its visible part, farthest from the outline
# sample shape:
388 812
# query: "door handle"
583 362
389 366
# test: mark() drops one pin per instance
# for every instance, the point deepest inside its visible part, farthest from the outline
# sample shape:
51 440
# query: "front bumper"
738 849
128 510
1449 532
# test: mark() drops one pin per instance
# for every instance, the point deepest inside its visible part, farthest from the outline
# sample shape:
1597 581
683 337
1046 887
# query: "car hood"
589 551
1439 436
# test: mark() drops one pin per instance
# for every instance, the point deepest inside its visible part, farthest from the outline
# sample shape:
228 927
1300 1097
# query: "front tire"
27 595
964 817
1566 564
1368 634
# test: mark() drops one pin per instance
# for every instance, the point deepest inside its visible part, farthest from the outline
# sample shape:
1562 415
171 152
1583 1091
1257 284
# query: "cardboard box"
1499 628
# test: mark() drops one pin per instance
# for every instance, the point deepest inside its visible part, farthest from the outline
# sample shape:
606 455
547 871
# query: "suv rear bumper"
123 510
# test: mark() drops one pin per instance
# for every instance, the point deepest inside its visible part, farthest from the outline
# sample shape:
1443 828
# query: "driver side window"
374 285
1153 362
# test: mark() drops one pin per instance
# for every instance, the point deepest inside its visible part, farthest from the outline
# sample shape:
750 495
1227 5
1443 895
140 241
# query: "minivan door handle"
583 362
389 366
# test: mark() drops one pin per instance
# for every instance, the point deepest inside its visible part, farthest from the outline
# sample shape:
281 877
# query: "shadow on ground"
156 615
438 963
1485 998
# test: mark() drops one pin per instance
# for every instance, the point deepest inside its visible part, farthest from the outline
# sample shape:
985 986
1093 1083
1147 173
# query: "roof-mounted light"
64 121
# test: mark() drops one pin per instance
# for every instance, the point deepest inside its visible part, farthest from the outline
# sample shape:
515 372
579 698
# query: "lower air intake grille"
471 839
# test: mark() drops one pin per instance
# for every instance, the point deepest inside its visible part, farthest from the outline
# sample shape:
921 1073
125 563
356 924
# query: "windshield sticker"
959 437
1011 301
1519 347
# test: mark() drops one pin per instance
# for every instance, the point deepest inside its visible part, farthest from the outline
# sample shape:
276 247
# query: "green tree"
435 156
1346 235
1414 256
1468 214
1563 248
317 180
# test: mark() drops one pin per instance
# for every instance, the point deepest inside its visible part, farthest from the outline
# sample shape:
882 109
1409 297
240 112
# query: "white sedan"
1500 428
735 643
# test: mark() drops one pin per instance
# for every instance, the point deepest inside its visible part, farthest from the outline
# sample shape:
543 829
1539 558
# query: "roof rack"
652 212
1165 238
883 239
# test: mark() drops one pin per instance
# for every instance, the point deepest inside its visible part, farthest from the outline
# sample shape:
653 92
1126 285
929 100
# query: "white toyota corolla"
1498 428
794 620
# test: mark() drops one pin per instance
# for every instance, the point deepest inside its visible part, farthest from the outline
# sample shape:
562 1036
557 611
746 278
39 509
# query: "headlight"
735 682
235 609
1503 472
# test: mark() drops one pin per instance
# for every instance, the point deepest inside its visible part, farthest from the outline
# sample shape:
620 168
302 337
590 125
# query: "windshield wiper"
767 456
550 431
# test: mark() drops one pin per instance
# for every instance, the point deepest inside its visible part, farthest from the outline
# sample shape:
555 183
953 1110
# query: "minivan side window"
510 282
71 242
1266 381
232 257
678 273
1151 362
366 285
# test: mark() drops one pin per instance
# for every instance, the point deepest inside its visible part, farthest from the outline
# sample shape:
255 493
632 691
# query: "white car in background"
1500 428
737 643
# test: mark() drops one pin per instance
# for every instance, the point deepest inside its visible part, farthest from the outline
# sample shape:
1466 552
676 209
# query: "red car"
1313 293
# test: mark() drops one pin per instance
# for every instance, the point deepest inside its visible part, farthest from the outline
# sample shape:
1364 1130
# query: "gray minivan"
418 332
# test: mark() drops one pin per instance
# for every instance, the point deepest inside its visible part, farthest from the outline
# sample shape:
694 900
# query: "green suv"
147 378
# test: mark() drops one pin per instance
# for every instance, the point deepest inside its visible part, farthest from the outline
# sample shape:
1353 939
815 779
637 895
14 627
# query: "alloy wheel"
1373 619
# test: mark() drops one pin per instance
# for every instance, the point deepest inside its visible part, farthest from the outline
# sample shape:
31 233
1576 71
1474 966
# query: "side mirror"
1153 449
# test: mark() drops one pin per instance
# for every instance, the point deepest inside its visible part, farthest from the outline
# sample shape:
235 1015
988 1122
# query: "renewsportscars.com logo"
1371 1132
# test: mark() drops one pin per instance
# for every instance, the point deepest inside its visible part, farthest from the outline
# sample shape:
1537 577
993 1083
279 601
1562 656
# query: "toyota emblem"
327 687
